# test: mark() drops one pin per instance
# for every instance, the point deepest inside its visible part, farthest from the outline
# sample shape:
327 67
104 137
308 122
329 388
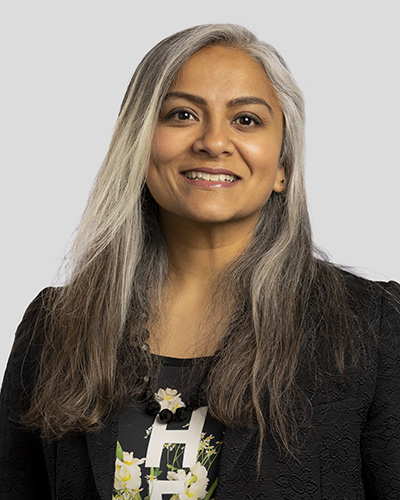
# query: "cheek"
262 156
164 147
159 176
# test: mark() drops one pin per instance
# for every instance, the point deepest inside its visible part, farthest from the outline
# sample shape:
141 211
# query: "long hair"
94 358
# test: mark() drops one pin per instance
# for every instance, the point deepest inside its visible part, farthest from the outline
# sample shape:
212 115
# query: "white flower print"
179 475
195 482
169 399
127 478
192 483
199 472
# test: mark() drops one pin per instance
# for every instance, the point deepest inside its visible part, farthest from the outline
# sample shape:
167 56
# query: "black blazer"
351 452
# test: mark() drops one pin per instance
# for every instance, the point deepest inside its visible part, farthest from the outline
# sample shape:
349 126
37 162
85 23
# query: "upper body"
351 450
196 242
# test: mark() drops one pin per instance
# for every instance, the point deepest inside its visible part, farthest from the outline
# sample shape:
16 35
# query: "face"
216 146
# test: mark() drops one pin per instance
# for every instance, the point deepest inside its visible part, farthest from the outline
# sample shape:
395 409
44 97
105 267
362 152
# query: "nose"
214 140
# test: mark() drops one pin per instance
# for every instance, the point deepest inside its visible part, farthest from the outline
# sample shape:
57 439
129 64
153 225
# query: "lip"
209 184
211 171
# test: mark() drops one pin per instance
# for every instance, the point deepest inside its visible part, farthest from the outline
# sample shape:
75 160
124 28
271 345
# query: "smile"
204 176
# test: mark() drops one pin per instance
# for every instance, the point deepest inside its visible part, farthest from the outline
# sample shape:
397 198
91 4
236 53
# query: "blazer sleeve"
380 442
23 473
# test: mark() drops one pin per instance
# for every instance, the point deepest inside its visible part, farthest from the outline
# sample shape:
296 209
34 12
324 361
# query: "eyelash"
257 122
175 112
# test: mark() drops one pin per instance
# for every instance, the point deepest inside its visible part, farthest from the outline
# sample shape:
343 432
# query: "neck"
199 251
192 318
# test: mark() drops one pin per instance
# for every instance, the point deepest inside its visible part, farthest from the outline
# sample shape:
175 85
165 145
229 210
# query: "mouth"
197 175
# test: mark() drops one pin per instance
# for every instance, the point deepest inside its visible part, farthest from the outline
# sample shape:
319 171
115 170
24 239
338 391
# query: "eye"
247 121
181 115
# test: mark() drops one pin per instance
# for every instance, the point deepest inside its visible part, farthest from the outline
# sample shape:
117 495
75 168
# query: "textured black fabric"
351 452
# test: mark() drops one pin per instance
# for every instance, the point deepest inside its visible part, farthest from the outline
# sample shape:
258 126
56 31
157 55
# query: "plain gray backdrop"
65 67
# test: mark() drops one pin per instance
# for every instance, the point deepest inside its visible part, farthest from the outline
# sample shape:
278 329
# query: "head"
220 117
130 150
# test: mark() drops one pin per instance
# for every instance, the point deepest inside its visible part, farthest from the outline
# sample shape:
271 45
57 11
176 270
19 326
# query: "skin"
205 125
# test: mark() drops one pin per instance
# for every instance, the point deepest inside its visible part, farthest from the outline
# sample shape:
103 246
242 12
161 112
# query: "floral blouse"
177 460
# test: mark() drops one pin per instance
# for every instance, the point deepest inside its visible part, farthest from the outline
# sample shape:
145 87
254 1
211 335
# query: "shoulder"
28 343
380 440
378 301
389 330
35 315
390 293
31 332
39 304
369 311
371 343
378 306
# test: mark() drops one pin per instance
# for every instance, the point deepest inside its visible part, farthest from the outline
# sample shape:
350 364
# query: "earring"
283 182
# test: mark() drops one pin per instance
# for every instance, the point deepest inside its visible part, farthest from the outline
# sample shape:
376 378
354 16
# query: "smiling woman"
219 125
202 347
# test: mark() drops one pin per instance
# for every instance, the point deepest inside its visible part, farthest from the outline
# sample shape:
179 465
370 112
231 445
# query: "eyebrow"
234 102
249 100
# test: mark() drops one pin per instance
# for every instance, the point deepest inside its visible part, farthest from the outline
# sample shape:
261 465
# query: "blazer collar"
102 450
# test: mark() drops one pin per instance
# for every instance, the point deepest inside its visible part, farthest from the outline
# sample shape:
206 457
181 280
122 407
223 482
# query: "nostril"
213 148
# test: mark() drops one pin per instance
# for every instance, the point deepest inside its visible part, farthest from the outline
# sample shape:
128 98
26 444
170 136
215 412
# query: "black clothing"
352 450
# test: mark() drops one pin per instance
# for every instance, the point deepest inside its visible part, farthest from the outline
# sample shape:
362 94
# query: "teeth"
194 174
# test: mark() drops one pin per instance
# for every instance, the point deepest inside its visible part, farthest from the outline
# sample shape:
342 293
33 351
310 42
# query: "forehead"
215 70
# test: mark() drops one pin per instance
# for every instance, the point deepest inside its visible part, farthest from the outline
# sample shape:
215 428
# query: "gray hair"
119 262
116 202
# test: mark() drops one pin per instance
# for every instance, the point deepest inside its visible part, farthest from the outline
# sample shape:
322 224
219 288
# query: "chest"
329 465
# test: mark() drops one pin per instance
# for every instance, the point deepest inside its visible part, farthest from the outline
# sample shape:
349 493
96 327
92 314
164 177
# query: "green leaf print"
211 490
155 472
120 455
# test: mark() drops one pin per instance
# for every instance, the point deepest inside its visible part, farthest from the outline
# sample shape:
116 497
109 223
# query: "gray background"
65 67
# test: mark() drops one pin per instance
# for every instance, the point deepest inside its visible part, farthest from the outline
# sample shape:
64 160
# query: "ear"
280 181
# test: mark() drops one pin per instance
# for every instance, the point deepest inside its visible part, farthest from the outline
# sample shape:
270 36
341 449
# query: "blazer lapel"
235 453
102 449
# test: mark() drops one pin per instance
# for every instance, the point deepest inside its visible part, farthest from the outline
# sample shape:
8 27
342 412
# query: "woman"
200 349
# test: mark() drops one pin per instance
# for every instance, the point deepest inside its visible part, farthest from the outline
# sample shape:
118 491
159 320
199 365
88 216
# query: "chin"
214 219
